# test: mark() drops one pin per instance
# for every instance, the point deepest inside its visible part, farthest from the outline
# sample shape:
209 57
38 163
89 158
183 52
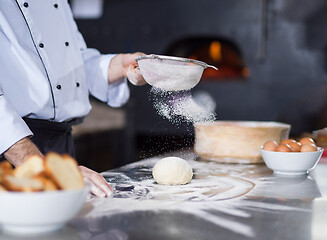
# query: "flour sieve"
171 73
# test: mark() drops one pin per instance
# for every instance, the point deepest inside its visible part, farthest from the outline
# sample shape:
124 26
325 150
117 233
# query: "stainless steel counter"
223 201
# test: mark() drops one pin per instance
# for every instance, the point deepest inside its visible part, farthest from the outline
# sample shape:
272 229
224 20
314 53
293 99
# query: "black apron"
53 136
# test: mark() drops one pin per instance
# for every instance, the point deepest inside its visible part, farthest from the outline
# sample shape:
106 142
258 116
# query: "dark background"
282 43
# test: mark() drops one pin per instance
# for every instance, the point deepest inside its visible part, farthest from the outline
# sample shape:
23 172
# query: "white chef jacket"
46 70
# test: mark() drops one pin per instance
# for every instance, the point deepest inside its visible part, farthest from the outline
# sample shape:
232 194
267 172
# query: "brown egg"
309 147
307 140
295 146
287 141
270 145
283 148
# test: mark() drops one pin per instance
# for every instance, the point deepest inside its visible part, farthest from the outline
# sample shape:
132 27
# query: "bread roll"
5 169
2 188
32 166
13 183
48 184
64 171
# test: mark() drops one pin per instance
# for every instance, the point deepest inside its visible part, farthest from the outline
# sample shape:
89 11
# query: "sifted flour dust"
180 106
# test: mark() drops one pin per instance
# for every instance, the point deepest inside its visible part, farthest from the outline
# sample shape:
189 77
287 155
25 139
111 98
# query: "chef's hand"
124 65
99 186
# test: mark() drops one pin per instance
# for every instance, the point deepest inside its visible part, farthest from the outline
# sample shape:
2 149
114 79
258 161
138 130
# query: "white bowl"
39 212
291 163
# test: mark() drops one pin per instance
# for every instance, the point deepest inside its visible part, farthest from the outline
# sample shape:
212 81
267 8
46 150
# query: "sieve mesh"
171 73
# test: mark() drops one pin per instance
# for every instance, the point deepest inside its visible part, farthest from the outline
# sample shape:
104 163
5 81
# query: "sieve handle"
211 67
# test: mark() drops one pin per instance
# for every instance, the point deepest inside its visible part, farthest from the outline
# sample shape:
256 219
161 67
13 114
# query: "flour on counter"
215 188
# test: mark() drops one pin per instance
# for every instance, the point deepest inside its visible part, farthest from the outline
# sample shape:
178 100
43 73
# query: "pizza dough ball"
172 171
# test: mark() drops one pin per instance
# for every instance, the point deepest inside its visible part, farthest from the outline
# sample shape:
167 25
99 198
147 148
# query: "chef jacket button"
58 87
41 45
77 84
25 4
55 5
67 44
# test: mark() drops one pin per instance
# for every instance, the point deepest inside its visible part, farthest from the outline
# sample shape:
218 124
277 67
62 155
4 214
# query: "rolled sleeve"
12 126
96 65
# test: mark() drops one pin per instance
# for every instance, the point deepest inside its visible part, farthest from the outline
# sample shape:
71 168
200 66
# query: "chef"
47 73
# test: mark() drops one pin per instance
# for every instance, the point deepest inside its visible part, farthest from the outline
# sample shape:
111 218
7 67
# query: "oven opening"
223 54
